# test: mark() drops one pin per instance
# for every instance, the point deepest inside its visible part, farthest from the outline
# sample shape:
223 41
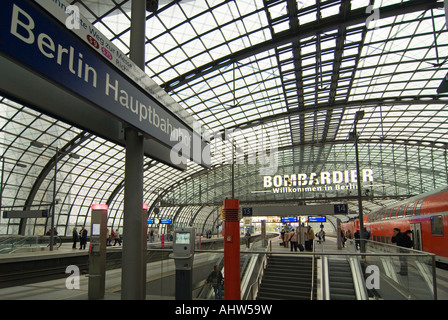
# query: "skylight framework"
284 71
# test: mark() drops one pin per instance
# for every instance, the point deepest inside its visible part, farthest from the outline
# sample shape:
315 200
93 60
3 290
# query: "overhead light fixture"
359 115
74 156
152 5
37 144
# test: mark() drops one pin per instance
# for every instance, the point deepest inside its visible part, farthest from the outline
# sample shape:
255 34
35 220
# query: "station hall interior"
293 104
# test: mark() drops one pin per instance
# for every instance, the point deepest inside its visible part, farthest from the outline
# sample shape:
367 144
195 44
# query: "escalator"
341 280
287 278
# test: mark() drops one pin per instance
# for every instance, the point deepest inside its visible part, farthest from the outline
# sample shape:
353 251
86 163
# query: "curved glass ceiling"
291 71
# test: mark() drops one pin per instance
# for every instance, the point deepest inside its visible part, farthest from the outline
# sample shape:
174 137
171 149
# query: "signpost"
26 214
294 210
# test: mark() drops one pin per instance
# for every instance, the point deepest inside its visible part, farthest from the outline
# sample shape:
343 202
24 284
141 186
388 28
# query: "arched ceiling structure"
280 75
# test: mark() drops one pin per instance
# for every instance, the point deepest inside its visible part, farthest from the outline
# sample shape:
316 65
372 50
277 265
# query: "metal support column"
133 280
232 281
359 116
53 206
446 165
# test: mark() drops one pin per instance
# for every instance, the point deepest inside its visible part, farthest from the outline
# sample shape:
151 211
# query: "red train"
426 215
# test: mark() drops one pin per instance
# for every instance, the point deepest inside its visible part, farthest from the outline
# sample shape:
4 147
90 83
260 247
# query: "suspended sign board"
317 219
25 214
37 42
323 209
289 220
159 221
247 212
84 30
294 210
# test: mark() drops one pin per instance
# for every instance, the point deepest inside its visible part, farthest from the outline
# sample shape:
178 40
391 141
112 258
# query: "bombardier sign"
312 182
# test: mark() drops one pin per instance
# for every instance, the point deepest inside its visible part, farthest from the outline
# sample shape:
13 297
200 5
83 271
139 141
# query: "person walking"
215 278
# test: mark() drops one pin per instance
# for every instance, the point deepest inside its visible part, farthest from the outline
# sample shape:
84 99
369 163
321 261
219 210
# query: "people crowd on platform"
113 237
294 238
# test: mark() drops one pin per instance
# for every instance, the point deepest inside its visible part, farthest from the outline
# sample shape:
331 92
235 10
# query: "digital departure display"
289 220
317 219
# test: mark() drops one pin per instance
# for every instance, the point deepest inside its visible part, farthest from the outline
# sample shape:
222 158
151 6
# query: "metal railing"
376 273
250 291
313 271
376 270
389 272
15 244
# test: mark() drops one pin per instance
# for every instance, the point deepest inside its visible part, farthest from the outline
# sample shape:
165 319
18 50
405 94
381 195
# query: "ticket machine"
97 252
183 254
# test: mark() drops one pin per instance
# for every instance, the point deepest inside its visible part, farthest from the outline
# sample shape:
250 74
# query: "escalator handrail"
358 279
312 272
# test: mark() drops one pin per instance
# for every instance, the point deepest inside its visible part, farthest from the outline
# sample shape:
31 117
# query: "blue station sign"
33 38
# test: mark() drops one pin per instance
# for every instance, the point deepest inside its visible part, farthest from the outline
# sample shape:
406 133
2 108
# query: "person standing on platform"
286 236
75 237
402 239
247 236
83 235
343 239
293 239
309 239
117 237
282 236
357 237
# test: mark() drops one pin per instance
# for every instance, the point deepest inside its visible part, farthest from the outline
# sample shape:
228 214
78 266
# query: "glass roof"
287 73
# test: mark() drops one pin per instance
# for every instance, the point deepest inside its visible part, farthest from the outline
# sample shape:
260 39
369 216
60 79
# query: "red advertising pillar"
232 289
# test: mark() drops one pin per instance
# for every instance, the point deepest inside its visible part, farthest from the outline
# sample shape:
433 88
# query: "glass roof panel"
257 67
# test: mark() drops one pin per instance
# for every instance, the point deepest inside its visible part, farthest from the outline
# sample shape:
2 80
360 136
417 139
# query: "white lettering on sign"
64 56
323 181
133 106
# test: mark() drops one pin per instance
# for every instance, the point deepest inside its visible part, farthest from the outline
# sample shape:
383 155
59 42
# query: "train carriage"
425 215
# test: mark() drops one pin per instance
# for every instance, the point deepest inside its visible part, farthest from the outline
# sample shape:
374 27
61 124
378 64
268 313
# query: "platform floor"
57 290
66 249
